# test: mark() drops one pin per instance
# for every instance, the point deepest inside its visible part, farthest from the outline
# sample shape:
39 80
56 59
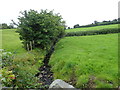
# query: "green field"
10 41
93 28
87 57
86 61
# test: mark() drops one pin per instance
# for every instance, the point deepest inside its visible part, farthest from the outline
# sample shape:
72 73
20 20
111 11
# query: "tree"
68 27
95 22
76 26
4 26
11 26
40 29
115 20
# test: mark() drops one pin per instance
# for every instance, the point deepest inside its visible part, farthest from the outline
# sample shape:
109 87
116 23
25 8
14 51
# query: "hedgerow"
93 32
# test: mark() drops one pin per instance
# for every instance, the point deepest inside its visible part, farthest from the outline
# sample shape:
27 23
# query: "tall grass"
87 61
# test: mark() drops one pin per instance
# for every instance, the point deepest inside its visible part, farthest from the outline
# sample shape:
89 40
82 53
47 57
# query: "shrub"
7 77
7 59
20 70
40 29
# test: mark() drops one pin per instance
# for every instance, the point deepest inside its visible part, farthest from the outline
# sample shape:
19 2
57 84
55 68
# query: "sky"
80 12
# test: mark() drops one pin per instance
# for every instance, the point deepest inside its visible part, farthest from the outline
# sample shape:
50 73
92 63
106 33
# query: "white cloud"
73 11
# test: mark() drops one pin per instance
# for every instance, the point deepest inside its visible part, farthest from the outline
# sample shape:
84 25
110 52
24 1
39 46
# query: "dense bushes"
19 71
93 32
40 29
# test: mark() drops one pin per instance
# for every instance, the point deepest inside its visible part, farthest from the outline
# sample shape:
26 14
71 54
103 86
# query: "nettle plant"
19 71
6 75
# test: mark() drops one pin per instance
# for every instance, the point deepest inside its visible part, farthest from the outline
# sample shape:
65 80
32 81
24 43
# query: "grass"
10 41
93 28
86 61
91 61
24 63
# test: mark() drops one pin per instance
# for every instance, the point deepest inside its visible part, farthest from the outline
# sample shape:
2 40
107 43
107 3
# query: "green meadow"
87 59
11 42
93 28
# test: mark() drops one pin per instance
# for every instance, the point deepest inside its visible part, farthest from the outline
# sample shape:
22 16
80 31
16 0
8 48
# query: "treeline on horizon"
96 23
6 26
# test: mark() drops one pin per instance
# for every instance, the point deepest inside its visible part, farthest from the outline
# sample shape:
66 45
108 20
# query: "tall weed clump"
24 67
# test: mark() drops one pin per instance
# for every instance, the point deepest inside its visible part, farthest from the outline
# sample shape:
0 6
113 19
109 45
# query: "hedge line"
93 32
101 24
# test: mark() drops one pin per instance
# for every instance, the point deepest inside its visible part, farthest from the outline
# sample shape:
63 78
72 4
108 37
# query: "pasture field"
10 41
93 28
87 61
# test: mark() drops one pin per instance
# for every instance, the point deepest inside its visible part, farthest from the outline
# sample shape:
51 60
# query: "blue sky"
73 11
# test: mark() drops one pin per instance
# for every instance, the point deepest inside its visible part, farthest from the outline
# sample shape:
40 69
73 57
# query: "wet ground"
46 76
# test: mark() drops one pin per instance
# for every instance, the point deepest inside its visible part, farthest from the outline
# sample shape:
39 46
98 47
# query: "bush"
7 77
40 29
19 71
93 32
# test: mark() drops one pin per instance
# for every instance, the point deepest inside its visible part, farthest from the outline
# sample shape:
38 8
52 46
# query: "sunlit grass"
11 42
85 57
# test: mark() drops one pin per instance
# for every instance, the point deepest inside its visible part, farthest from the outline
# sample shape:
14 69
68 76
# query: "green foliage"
85 57
7 59
93 32
6 77
24 65
23 69
93 28
40 29
5 26
76 26
96 23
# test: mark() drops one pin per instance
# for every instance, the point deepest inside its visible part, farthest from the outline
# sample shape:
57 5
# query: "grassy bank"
11 42
87 61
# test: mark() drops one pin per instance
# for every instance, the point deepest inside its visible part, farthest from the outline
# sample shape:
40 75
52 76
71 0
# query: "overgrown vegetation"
19 67
36 30
5 26
87 61
93 32
19 71
40 29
